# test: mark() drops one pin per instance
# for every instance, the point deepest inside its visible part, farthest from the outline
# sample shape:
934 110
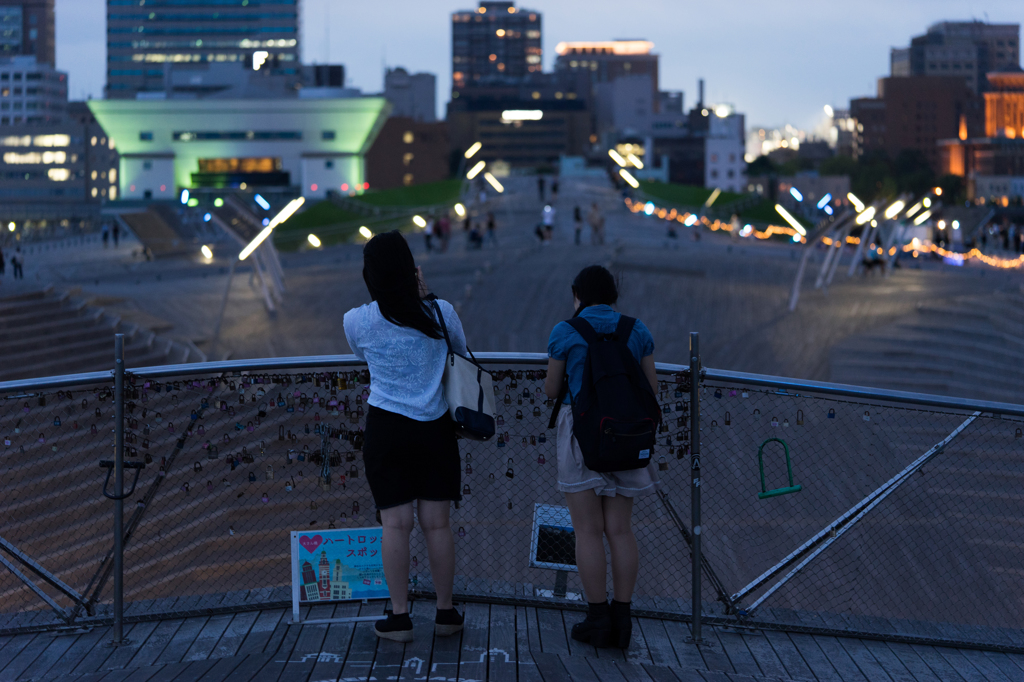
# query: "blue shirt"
406 366
566 343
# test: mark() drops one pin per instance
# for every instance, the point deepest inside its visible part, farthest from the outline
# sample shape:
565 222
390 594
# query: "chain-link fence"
56 526
892 512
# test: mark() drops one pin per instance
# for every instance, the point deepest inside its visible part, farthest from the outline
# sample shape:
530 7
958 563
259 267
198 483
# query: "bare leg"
618 528
588 522
397 522
437 530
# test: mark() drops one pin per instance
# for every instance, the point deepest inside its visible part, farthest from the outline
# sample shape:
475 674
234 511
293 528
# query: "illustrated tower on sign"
339 590
309 585
325 576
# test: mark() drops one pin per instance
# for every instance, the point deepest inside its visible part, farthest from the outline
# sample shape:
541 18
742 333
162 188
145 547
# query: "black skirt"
410 460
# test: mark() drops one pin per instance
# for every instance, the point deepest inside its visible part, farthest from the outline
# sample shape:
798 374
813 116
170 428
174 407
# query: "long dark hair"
594 285
390 275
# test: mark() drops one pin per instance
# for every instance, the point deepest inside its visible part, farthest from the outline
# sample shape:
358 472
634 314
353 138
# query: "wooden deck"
499 643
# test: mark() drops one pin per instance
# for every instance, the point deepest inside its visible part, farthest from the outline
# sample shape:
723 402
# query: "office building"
408 152
968 50
724 148
27 28
31 93
992 162
143 37
303 145
411 95
598 62
495 44
914 113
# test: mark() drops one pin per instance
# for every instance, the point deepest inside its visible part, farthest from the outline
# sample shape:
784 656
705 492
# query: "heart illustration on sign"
310 543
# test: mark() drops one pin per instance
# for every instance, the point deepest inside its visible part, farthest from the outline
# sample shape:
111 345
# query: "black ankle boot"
596 629
622 624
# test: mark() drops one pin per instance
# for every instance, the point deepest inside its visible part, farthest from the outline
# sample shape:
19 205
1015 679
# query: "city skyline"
821 54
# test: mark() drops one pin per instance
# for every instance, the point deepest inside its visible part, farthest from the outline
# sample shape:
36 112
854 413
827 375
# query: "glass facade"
143 36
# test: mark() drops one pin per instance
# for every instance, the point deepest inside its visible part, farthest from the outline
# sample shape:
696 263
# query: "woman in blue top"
601 504
410 450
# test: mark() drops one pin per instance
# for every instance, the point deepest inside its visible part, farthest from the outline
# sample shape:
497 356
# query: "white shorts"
574 476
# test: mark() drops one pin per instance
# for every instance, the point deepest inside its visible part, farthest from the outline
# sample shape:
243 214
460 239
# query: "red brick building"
407 152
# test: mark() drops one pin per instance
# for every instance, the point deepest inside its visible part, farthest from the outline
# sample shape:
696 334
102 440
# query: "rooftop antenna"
700 93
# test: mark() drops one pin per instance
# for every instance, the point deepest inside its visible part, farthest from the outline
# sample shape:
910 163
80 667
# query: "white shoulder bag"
468 389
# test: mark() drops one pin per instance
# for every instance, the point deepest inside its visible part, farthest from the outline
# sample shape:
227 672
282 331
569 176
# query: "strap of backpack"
584 329
624 329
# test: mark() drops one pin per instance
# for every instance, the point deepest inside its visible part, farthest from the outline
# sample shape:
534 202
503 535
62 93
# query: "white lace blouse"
405 365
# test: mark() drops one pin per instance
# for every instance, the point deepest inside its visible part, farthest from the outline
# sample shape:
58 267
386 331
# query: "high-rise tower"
144 36
27 28
495 44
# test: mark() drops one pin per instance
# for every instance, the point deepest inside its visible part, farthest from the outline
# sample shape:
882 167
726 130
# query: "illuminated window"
112 174
95 175
535 95
95 192
58 174
407 179
408 137
407 158
146 136
113 192
328 135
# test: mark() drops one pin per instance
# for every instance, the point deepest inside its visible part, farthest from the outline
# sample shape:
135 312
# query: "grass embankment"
693 197
427 194
333 224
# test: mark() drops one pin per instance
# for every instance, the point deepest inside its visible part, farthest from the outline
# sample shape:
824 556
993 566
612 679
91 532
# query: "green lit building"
306 145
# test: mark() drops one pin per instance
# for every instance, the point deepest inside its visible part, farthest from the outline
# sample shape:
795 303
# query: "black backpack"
615 414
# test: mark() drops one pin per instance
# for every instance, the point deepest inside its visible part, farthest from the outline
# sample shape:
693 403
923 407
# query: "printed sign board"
337 565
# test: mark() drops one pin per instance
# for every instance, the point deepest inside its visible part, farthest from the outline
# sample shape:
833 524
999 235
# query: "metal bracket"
109 466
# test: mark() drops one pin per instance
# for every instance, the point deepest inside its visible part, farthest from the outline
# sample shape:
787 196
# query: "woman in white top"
410 450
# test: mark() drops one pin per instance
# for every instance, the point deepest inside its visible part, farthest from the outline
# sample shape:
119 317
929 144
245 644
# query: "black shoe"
396 627
448 622
596 629
622 624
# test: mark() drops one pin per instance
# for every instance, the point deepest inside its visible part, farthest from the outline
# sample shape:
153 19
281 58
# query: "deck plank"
906 655
606 670
236 632
638 652
336 643
551 629
939 666
363 647
636 672
815 658
713 653
688 653
81 648
206 641
52 654
221 668
445 660
271 672
195 670
840 660
249 668
659 673
658 644
984 664
258 637
577 668
502 655
527 667
550 667
791 658
155 644
961 665
182 640
570 618
735 647
26 656
475 656
764 654
869 666
308 644
1005 665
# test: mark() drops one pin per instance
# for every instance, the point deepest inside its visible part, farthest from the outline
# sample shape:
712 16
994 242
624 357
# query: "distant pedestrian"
428 234
577 222
548 218
734 232
106 236
3 264
18 263
117 233
444 227
540 187
482 197
596 220
554 189
491 237
476 239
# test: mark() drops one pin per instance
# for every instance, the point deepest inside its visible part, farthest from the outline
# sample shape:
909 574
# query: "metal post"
695 603
118 489
223 308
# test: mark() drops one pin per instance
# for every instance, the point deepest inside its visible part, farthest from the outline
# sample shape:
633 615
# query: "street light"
460 210
494 182
894 210
313 240
418 221
857 203
207 252
617 158
866 215
635 160
713 197
286 213
787 216
629 178
365 232
474 148
475 170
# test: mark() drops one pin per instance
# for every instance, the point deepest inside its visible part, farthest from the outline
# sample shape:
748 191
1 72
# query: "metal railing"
873 512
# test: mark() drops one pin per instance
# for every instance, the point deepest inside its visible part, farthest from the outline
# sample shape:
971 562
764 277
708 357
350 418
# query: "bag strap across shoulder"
444 328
